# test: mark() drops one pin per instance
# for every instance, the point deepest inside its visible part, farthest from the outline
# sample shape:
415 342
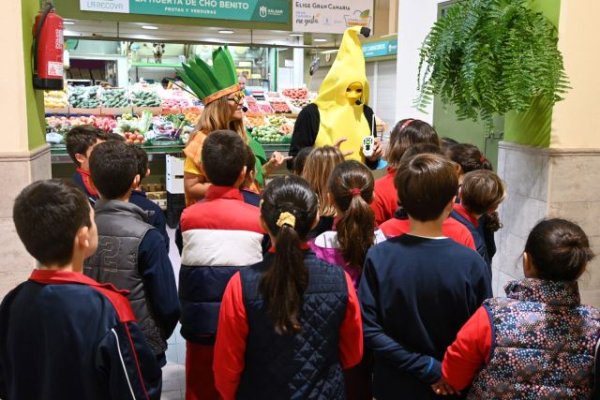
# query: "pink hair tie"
355 192
406 123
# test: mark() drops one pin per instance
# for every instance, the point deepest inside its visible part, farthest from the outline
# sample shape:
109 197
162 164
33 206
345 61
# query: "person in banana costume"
339 116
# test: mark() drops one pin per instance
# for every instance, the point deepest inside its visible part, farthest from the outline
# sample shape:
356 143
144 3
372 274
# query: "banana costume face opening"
342 97
354 94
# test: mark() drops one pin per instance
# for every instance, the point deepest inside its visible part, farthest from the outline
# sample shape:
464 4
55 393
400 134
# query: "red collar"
114 295
303 246
223 192
57 277
462 211
87 182
391 171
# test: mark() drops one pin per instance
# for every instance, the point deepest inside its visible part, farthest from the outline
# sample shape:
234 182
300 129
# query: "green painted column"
533 127
35 98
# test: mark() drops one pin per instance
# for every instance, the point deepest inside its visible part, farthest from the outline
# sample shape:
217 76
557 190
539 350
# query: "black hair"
114 136
559 250
446 142
426 183
285 281
47 215
141 158
300 159
113 166
468 156
223 157
80 138
421 148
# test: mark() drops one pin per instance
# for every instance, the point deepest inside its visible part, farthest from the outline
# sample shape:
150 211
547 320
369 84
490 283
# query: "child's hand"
338 143
276 160
443 388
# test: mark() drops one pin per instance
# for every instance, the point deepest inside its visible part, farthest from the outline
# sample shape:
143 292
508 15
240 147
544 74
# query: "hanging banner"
333 16
271 11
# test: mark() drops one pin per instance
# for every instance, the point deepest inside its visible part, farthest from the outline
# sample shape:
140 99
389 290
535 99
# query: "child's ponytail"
289 209
351 185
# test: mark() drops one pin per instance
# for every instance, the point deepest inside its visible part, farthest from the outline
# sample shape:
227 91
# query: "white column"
415 19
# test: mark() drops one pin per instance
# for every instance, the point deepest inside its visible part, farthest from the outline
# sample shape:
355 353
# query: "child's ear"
136 181
82 240
147 173
81 158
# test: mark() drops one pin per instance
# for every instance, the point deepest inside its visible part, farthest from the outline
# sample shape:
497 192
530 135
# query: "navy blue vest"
305 365
480 243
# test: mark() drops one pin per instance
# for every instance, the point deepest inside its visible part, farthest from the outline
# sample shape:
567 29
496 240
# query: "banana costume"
339 111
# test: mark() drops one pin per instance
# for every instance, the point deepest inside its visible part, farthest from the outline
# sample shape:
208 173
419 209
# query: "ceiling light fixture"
226 32
296 35
150 27
68 23
319 40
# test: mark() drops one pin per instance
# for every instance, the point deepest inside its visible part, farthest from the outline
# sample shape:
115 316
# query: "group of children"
328 284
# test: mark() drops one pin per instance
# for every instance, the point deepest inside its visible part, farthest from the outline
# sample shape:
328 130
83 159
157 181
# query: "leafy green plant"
489 57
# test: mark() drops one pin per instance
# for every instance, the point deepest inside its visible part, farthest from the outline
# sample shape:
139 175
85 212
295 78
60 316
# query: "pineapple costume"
340 109
209 84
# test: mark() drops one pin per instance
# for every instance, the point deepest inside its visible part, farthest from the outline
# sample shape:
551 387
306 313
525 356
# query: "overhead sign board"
331 16
380 48
270 11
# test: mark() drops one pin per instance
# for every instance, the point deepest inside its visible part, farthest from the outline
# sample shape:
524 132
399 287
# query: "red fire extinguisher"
48 45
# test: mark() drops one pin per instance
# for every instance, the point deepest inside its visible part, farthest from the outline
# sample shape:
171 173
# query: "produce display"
56 99
276 130
146 98
296 94
57 127
280 106
300 103
115 98
84 96
178 115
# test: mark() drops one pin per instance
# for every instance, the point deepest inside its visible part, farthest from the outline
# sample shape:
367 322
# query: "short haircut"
426 183
80 138
47 215
141 158
223 157
113 166
421 148
115 136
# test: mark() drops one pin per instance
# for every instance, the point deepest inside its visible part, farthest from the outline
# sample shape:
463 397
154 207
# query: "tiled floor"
174 371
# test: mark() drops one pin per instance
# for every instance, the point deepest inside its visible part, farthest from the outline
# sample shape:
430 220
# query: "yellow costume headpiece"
339 117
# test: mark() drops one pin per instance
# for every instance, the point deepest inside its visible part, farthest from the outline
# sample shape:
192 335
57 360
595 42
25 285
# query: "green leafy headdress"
211 83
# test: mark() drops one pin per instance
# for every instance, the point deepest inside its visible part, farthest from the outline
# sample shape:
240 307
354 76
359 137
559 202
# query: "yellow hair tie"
286 218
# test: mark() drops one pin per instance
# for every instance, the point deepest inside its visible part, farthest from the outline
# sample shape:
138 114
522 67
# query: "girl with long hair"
289 324
350 189
317 169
